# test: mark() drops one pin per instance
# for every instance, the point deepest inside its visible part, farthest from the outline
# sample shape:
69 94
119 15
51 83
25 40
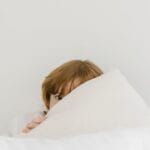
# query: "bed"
104 113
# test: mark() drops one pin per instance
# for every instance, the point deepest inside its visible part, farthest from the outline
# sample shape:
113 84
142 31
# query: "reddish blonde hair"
58 79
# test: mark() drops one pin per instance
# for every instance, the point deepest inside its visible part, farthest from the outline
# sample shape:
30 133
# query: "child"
61 82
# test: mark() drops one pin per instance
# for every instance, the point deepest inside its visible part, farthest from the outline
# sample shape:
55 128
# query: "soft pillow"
103 103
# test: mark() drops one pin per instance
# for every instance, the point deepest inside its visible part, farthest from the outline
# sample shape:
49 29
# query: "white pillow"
103 103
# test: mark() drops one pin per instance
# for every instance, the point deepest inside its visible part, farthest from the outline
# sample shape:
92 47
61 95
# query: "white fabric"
106 102
125 139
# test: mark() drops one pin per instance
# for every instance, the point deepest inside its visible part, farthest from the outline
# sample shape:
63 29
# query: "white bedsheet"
119 139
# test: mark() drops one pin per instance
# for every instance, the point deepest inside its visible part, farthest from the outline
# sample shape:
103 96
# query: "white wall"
38 35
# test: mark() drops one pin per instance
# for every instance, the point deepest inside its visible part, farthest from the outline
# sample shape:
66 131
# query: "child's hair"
65 75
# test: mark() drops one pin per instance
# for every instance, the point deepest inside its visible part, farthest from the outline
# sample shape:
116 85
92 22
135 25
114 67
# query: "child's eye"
58 97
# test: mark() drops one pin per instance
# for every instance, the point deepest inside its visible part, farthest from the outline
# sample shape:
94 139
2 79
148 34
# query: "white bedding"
121 139
104 103
117 107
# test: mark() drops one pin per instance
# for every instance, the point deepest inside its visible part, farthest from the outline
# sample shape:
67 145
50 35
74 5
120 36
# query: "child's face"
54 98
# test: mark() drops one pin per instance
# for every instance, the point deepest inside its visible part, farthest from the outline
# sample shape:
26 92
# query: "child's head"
67 77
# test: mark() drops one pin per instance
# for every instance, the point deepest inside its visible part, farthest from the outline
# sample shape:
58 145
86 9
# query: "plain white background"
36 36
